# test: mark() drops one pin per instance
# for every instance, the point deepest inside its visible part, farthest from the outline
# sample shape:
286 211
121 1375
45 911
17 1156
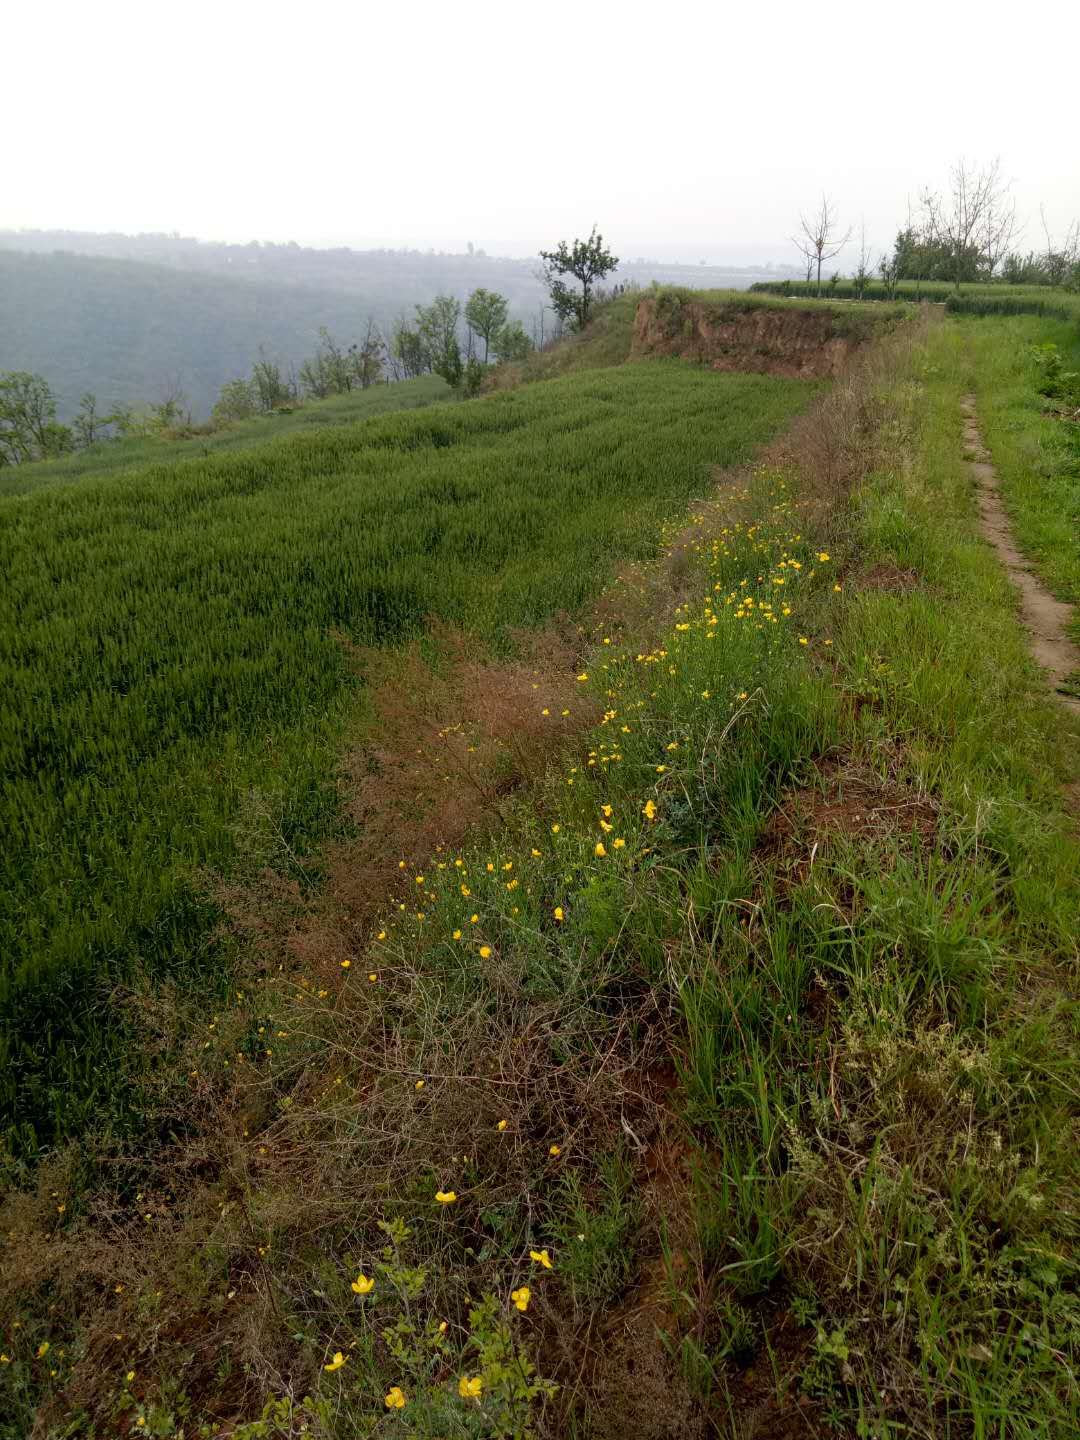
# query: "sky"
686 131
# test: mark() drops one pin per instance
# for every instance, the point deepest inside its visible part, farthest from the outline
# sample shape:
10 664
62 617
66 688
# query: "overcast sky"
686 130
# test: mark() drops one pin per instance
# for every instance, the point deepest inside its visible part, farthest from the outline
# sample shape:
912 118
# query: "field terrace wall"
774 339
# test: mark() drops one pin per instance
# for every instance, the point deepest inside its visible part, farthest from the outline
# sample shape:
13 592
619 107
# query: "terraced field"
170 645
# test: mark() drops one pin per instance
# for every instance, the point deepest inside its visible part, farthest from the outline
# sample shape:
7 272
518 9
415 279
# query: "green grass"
971 297
1037 453
170 651
107 457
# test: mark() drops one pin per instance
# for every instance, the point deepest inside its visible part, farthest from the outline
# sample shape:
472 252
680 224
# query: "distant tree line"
962 235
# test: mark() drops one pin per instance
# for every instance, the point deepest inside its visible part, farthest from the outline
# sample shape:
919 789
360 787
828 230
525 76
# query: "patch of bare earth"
849 798
890 579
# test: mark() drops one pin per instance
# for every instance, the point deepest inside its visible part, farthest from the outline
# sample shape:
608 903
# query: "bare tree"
972 219
819 239
998 231
863 268
1060 256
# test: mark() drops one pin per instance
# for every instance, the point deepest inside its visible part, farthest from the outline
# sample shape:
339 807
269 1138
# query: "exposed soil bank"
775 340
1045 618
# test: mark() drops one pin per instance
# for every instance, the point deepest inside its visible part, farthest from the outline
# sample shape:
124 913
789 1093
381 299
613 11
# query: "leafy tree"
485 315
437 326
89 426
366 358
586 261
473 377
511 342
889 266
330 371
919 254
28 426
172 412
407 351
271 388
237 400
316 380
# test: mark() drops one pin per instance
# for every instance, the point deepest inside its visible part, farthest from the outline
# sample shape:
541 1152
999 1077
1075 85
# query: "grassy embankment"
109 457
736 1068
171 656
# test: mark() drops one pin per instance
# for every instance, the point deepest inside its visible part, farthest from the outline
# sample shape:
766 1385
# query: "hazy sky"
688 131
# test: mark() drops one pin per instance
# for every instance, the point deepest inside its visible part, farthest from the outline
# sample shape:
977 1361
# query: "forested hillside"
128 331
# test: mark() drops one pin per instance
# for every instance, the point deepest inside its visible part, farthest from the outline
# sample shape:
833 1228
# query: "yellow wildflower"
521 1298
337 1362
542 1258
395 1398
502 1124
559 914
363 1284
555 1150
470 1389
600 852
485 952
446 1197
649 810
456 935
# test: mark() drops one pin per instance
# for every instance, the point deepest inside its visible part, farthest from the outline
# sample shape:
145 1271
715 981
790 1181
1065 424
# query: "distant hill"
391 277
125 316
126 330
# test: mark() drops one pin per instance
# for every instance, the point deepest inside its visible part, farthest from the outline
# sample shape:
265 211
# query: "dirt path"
1045 618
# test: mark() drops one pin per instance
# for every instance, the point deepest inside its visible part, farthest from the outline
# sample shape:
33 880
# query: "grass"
171 650
138 452
727 1079
972 298
1034 443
